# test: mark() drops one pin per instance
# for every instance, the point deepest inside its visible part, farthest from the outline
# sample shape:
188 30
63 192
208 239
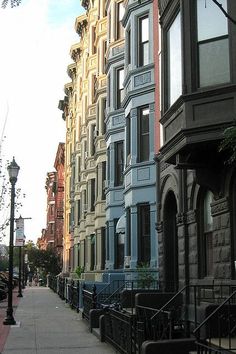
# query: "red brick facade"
52 235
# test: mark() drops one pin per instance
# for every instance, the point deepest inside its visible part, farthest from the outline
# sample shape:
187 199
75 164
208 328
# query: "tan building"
85 163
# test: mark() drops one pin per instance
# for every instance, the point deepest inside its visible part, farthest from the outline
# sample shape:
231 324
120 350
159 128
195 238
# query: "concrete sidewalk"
47 325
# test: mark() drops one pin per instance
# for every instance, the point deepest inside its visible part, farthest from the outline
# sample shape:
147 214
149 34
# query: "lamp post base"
9 320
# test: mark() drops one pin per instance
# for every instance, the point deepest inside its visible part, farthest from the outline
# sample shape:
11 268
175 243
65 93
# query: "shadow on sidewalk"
4 330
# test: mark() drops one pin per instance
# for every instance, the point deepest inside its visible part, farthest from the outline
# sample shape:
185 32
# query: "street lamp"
13 170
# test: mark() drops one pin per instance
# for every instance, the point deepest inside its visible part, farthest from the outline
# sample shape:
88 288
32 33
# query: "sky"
35 41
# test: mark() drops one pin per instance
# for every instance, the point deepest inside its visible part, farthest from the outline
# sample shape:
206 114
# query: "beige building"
83 106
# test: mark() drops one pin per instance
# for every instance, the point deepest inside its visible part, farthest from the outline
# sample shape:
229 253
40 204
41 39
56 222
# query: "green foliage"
4 264
229 143
79 270
13 3
46 261
145 277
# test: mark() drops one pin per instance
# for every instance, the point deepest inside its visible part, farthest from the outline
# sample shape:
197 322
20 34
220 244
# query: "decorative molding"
117 50
159 226
221 206
142 79
117 120
191 217
163 166
81 26
181 218
162 4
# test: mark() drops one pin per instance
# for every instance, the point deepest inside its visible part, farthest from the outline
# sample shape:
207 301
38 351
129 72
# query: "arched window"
171 265
206 241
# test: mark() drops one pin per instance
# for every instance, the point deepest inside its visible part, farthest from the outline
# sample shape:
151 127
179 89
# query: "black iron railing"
217 333
89 301
52 282
73 295
61 287
120 331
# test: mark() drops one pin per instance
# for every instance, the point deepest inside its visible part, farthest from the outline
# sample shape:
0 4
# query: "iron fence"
120 331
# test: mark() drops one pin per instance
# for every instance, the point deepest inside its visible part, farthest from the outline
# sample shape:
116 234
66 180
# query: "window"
92 194
129 46
103 179
174 66
144 236
51 210
93 138
120 13
103 115
143 41
143 148
94 47
120 87
94 87
51 228
208 228
119 163
213 44
103 245
104 56
128 142
84 194
78 212
128 230
108 91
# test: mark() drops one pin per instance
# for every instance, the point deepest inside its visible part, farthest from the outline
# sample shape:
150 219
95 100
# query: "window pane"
145 59
121 78
208 221
211 20
121 10
144 29
214 62
174 61
144 135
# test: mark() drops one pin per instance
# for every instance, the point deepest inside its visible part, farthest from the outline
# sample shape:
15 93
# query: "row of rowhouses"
110 173
122 209
153 88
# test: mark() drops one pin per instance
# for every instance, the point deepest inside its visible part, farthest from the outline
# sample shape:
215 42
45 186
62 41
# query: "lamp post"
20 273
13 170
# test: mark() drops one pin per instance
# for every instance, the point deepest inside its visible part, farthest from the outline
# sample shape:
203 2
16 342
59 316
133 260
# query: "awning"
120 226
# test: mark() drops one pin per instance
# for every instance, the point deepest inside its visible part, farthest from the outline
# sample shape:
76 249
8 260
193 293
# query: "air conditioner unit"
127 261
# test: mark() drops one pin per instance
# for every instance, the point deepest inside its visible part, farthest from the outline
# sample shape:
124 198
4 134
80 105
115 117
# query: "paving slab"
47 325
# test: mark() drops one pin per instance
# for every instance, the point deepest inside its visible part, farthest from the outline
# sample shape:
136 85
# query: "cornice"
81 24
71 70
162 5
75 51
68 88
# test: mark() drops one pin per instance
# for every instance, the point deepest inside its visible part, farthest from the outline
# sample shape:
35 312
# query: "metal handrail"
107 287
213 313
168 302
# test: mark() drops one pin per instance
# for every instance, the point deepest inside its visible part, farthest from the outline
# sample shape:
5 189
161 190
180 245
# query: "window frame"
143 155
119 163
210 40
119 87
144 239
119 26
205 258
141 43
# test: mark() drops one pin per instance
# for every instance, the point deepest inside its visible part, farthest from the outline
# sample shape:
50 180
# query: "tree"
229 143
13 3
46 261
